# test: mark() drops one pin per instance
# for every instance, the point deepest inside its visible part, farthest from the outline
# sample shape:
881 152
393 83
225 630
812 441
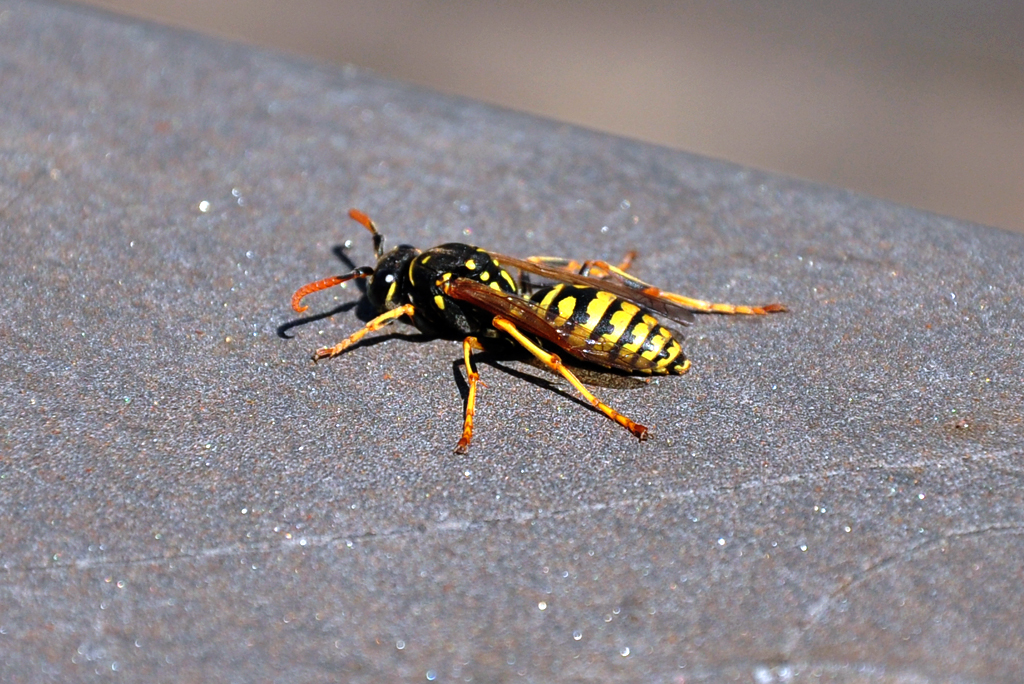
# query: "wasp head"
387 287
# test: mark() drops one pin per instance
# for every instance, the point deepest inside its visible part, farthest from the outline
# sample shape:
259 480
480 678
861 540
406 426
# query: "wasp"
594 311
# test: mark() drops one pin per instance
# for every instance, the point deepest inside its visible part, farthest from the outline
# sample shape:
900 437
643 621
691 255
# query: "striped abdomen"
605 329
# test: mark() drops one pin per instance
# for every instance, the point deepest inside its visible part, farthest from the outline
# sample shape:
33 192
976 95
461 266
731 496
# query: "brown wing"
525 315
619 283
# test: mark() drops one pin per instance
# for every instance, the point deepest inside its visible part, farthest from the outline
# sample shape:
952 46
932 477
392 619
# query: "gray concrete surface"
832 494
917 101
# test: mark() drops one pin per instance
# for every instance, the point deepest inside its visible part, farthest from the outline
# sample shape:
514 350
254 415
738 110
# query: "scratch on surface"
938 541
791 670
457 526
27 473
21 192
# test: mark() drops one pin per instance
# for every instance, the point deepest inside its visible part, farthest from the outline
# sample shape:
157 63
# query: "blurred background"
917 101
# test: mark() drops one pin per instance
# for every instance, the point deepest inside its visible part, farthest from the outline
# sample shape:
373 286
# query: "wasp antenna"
364 272
367 222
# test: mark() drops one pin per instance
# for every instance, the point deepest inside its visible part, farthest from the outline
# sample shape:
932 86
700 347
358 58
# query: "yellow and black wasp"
595 312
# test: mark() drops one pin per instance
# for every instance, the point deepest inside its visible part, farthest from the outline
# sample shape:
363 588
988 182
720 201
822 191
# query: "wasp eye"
389 278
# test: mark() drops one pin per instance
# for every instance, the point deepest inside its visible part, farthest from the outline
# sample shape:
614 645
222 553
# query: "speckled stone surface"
830 495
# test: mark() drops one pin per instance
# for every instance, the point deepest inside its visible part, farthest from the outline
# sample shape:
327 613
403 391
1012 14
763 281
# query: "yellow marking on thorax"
470 264
507 277
485 276
439 301
496 287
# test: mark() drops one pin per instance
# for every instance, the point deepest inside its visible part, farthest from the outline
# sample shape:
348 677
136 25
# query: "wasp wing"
526 316
619 283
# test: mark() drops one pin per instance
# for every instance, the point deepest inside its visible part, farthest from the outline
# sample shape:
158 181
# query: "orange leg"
376 324
714 307
627 260
604 269
594 269
586 267
473 378
554 363
556 262
617 273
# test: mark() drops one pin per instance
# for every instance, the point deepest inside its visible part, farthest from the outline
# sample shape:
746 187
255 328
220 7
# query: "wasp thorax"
385 290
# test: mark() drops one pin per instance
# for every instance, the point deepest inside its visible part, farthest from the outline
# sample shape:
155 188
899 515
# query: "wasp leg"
376 324
610 272
627 260
562 264
600 269
556 262
587 268
554 363
715 307
473 378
